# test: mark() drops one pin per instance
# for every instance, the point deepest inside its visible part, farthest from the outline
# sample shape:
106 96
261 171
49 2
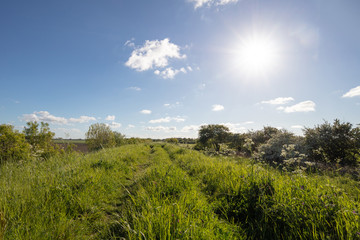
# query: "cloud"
135 88
45 116
130 43
190 128
114 125
306 106
217 107
82 119
145 111
161 128
110 118
168 105
201 3
167 119
154 54
279 101
297 126
354 92
235 127
130 126
169 73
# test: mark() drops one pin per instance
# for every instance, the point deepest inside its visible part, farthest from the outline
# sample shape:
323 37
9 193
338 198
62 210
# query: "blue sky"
163 68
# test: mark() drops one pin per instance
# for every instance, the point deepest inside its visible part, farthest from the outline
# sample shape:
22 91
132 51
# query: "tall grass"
167 192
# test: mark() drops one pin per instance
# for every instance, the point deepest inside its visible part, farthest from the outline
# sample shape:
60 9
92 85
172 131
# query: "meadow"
164 191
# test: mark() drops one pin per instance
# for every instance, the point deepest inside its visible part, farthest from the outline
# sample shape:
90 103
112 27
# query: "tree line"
336 143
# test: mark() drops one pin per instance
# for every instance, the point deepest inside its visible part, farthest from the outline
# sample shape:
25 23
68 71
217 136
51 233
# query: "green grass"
163 191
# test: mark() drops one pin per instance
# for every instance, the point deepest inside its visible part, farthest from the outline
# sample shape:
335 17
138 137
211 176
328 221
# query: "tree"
40 139
13 145
336 143
172 140
119 139
272 150
213 135
100 136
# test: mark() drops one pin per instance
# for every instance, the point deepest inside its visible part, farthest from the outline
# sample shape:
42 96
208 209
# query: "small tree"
100 136
336 143
40 139
119 139
172 140
13 145
213 135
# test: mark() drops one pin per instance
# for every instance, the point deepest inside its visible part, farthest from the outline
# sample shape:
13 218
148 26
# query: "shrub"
40 139
336 143
99 136
276 149
13 145
213 135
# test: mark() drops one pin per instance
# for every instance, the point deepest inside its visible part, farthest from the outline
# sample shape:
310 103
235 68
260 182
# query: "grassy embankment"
167 192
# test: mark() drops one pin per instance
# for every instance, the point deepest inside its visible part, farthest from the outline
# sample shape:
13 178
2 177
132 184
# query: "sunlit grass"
167 192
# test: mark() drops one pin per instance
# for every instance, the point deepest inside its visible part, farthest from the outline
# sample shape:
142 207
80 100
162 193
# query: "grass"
158 191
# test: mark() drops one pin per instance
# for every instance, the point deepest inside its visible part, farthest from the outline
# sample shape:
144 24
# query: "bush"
40 139
100 136
336 143
13 145
119 139
281 146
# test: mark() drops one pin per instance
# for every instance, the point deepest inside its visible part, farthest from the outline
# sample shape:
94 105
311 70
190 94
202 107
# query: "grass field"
158 191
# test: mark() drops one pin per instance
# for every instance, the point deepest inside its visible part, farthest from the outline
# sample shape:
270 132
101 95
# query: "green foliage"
40 139
213 135
13 145
333 143
100 136
119 139
172 140
272 150
237 141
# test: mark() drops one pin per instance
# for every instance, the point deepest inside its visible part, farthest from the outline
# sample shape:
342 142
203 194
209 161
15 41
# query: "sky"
163 68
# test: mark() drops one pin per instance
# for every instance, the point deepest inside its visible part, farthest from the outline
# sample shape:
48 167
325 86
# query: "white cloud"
45 116
145 111
168 105
201 3
130 126
169 73
167 119
114 125
249 122
110 118
154 54
217 107
135 88
279 101
235 127
161 128
306 106
190 128
82 119
130 43
352 92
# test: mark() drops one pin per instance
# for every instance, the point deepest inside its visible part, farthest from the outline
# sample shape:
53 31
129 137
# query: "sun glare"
257 56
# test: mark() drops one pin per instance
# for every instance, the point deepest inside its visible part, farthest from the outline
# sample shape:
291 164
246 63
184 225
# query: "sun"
256 55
